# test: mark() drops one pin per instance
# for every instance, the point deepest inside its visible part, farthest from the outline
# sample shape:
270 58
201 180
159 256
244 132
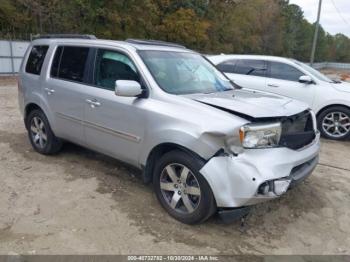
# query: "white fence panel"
11 55
5 65
19 48
331 65
17 64
5 48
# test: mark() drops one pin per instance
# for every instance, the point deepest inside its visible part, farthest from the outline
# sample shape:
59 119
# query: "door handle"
93 102
49 91
272 85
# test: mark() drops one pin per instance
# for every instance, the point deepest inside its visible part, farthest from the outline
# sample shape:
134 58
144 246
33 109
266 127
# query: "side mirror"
306 80
127 88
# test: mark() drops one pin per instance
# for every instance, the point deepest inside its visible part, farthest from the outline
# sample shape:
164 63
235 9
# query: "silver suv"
207 145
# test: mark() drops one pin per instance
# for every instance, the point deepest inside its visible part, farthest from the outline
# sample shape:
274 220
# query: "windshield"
184 73
313 72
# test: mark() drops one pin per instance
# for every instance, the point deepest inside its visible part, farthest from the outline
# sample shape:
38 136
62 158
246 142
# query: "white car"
329 99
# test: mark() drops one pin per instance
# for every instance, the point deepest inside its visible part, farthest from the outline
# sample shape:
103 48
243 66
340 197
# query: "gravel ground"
81 202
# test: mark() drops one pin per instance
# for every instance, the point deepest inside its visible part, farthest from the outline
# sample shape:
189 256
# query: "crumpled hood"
343 87
251 103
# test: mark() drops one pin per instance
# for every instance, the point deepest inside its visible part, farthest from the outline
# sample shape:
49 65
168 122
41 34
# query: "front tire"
40 134
334 123
181 189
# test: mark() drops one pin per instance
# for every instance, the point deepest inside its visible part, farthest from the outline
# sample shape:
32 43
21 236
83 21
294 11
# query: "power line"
342 17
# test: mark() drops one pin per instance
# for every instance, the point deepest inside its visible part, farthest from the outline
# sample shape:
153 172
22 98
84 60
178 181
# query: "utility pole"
316 33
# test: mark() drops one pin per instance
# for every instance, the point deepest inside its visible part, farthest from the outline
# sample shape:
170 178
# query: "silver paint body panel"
129 128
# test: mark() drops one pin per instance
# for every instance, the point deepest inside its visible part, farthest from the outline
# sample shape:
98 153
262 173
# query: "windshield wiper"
236 86
218 91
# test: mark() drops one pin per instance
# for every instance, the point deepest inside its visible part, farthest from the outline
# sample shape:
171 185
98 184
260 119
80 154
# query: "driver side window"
111 66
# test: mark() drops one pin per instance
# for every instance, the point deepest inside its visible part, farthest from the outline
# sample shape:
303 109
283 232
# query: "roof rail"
153 42
76 36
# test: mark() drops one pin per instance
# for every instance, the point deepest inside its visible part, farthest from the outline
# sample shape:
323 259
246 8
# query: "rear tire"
334 123
180 188
40 134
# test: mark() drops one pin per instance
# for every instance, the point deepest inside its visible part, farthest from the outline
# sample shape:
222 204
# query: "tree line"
272 27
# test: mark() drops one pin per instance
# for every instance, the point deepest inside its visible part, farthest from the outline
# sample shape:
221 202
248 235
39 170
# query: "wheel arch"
29 108
330 106
162 149
39 102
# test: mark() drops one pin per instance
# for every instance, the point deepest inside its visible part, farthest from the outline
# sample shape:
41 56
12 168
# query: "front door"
113 125
283 79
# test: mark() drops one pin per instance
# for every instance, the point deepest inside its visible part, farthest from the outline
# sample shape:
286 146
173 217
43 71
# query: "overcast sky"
333 20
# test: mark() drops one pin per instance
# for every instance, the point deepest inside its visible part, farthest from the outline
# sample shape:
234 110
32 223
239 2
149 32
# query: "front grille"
297 131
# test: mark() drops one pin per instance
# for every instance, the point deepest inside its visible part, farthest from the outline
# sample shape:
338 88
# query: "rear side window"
251 67
36 59
227 66
69 63
284 72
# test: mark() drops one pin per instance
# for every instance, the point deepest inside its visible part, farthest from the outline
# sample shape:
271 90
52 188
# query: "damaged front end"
256 174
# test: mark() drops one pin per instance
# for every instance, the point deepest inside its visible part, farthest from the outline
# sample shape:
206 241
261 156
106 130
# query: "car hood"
251 104
343 87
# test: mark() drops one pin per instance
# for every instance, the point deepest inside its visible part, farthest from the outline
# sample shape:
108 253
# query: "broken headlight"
260 135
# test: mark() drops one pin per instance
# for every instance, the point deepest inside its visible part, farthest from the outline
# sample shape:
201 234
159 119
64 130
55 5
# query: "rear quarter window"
36 59
227 66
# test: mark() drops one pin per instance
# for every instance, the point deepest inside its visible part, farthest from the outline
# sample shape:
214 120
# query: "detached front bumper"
258 175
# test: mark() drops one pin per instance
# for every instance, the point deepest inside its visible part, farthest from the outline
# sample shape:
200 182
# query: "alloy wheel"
336 124
38 132
180 188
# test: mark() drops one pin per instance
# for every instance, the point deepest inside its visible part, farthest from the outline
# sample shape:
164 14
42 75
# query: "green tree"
184 26
272 27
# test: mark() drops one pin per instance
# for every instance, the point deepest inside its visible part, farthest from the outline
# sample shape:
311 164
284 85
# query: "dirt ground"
339 74
80 202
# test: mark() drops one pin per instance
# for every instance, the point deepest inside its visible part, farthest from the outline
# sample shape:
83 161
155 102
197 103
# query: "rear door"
283 79
64 91
248 73
114 125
